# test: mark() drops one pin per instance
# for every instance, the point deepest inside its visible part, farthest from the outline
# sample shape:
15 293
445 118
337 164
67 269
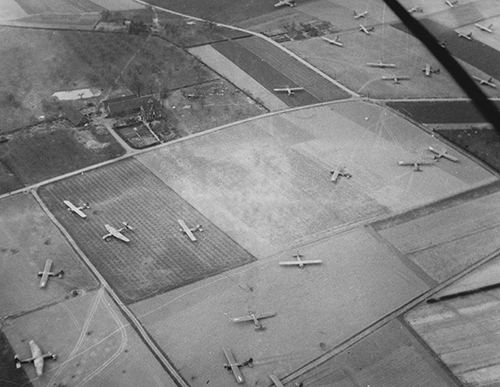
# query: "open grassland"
34 64
441 112
472 52
445 242
159 257
118 5
264 73
273 68
27 240
391 356
52 148
482 143
490 39
208 105
348 64
76 21
10 9
93 342
223 11
290 67
59 6
466 12
462 332
267 182
317 308
222 65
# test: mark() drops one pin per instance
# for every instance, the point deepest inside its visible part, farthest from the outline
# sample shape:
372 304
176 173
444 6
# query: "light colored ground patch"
467 12
9 9
76 94
432 6
462 332
359 281
340 12
86 138
348 64
27 239
486 275
118 5
234 74
391 356
490 39
267 182
445 242
94 344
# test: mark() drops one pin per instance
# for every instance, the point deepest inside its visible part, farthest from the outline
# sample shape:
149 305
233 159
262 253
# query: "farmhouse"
149 105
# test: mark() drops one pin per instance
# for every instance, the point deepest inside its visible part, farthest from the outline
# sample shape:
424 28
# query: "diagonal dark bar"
479 99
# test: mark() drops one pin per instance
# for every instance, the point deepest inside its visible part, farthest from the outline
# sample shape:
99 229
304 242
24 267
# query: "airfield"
253 167
221 179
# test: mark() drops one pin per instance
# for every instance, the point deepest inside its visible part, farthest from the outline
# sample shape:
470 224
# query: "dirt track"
93 342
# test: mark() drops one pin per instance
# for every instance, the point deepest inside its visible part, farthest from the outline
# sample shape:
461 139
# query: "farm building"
74 116
148 105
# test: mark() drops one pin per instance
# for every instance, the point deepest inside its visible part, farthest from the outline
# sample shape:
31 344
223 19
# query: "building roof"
74 116
127 104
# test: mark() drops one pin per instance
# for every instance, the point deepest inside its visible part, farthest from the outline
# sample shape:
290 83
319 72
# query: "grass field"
93 342
466 12
223 11
445 242
267 183
118 5
76 21
222 65
491 40
59 6
11 10
34 64
482 143
50 149
273 68
314 83
317 308
440 112
348 64
391 356
27 240
472 52
462 332
264 73
8 180
159 257
209 105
